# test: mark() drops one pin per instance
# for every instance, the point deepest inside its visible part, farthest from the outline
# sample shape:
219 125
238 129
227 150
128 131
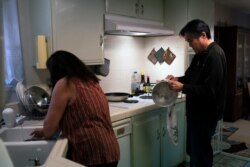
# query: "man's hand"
172 78
175 85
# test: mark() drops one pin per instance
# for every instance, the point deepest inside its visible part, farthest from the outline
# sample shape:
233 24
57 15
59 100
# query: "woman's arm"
61 97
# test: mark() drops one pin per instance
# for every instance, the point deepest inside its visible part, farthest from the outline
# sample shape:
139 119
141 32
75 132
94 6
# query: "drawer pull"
120 131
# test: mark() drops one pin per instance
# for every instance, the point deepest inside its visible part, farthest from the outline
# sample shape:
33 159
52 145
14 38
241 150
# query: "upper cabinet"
78 28
75 26
179 12
146 9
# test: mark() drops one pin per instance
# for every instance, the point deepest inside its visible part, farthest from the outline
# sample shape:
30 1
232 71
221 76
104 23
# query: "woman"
80 110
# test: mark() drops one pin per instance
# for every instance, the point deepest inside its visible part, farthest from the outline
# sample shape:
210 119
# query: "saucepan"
162 95
117 96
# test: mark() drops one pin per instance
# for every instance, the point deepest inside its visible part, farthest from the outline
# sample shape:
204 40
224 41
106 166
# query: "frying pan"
117 96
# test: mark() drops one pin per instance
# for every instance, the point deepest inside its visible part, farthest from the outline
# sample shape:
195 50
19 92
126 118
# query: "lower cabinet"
151 143
146 139
175 154
122 131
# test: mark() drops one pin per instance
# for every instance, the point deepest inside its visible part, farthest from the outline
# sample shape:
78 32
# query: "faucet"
20 119
1 123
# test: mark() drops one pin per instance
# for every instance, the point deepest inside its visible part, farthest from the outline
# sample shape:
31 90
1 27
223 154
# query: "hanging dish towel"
172 124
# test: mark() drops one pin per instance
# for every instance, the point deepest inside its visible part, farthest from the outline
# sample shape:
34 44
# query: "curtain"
13 61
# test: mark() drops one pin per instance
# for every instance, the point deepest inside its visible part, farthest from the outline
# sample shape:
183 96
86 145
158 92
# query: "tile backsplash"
128 54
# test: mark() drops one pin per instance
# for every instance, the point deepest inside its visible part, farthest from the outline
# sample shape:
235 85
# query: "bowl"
36 101
162 95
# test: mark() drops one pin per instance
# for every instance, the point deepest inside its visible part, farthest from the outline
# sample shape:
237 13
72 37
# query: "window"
13 61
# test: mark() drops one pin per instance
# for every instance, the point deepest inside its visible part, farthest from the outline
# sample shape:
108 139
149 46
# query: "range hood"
122 25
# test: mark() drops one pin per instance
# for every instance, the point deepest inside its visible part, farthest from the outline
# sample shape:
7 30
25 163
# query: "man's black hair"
196 27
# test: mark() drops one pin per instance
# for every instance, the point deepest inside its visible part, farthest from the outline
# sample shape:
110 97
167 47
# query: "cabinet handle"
163 131
137 8
101 40
142 9
158 134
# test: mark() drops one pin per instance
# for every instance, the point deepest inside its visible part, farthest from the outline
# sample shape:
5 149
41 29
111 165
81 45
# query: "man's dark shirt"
205 84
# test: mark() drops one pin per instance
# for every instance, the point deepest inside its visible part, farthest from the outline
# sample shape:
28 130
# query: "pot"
117 96
162 95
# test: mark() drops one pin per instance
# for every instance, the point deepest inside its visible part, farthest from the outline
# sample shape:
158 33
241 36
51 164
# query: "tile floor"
221 160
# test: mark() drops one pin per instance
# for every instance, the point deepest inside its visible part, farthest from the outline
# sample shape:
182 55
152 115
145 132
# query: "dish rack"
217 138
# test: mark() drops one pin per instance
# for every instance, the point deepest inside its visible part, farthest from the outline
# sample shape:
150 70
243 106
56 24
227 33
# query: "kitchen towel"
152 56
159 55
172 124
168 56
42 52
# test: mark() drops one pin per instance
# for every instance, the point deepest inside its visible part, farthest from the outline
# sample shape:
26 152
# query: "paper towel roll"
42 52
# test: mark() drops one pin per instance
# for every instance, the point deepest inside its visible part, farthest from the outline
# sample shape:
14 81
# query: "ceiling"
242 5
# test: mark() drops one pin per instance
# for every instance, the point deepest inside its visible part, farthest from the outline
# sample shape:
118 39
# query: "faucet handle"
36 161
20 119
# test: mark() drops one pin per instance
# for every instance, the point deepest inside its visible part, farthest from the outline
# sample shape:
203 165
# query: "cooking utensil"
117 96
162 95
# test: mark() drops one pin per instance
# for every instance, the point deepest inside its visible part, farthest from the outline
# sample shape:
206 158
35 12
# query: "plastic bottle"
134 82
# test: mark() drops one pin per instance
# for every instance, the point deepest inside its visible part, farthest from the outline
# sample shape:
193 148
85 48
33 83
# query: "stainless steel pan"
117 96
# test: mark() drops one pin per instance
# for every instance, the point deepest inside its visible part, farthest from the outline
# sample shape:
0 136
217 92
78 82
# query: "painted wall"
32 75
128 54
226 16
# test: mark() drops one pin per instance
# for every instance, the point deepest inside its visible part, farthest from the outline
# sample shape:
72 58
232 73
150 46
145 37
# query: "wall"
31 74
226 16
128 54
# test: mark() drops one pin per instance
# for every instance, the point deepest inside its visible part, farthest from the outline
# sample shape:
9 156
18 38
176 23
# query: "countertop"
118 111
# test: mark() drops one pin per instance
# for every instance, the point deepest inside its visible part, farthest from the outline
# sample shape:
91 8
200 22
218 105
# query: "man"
204 84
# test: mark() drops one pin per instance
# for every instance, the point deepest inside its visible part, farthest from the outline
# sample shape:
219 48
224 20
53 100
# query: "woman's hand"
37 133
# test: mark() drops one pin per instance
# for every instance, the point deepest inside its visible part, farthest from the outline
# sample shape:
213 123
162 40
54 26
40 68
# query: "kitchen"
121 49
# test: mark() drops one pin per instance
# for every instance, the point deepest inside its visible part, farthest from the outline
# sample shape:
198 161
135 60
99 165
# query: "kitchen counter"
118 111
121 110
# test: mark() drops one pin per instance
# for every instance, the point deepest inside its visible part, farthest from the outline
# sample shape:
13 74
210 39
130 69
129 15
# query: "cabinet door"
240 61
152 10
78 28
247 57
171 154
146 9
202 9
179 12
146 140
176 14
122 7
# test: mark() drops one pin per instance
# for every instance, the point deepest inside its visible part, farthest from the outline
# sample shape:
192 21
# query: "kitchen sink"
29 153
16 134
22 150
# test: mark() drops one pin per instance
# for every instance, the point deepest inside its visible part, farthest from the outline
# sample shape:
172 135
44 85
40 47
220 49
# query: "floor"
227 160
221 160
